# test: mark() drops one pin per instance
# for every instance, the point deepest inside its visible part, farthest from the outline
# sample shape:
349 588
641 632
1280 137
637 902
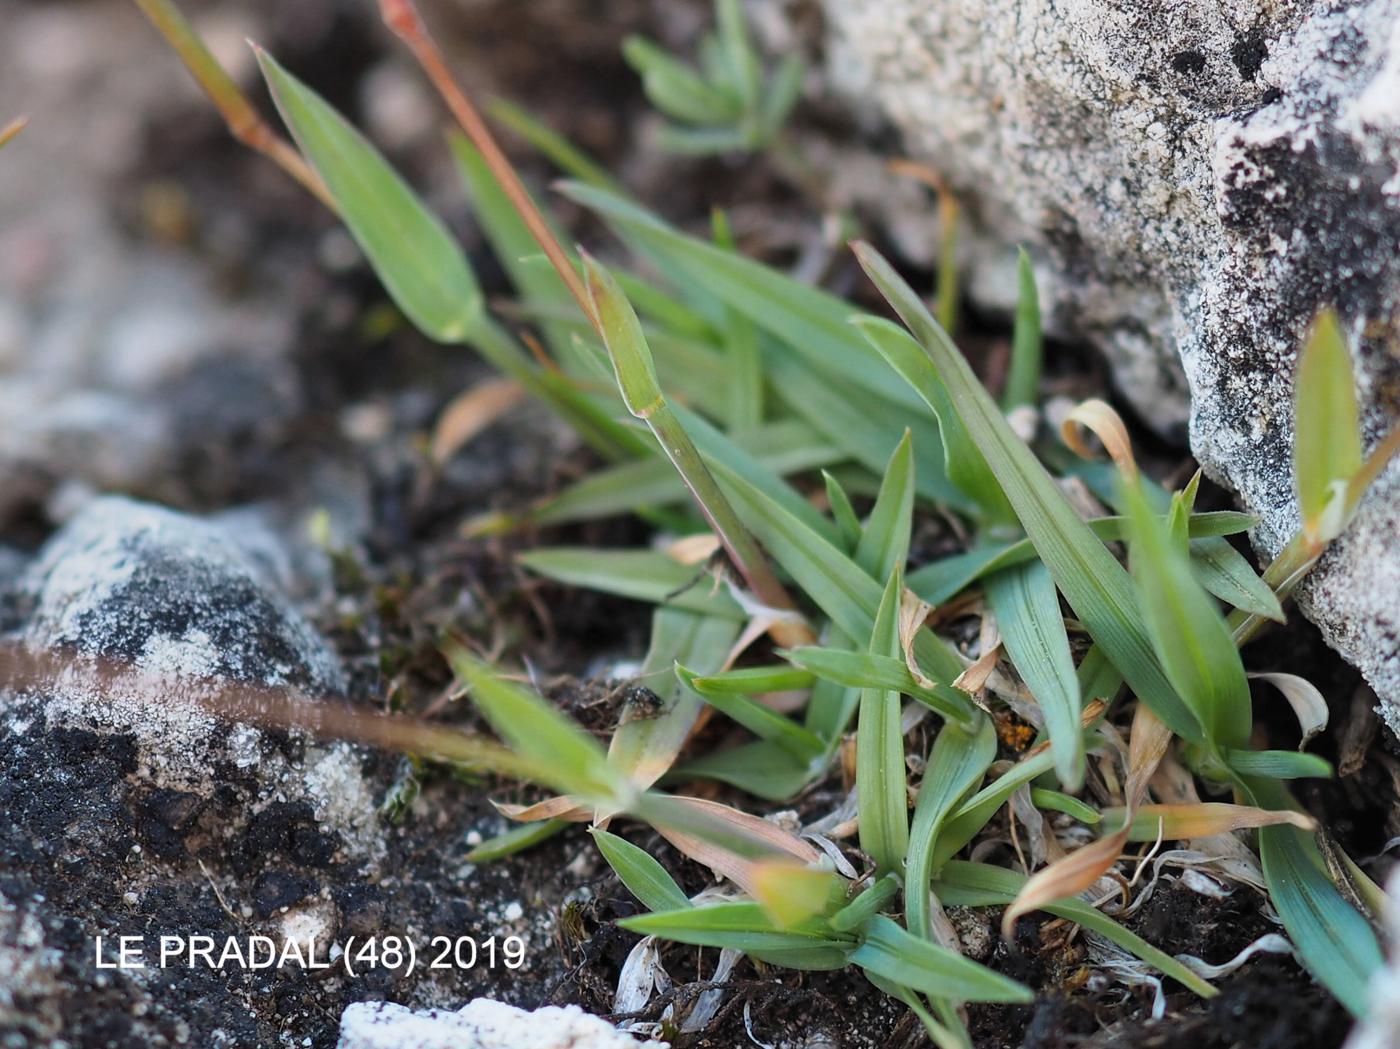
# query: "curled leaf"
1107 425
1307 702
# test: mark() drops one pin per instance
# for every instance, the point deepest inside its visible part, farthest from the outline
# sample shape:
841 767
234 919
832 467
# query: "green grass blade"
1327 432
636 378
972 815
966 884
1023 376
643 876
1027 610
812 323
643 575
869 903
864 425
1337 945
778 449
1277 764
846 593
842 512
517 839
644 748
749 681
1187 630
675 88
1227 574
416 258
740 926
760 720
1057 801
963 461
862 670
739 53
538 732
880 775
717 447
884 542
558 150
956 764
1095 585
760 768
938 581
891 952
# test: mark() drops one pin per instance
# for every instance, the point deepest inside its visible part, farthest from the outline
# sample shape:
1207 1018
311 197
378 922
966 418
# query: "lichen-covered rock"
480 1024
1194 180
108 796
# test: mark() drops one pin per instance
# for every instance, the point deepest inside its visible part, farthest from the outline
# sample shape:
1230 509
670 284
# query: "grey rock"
1194 181
176 597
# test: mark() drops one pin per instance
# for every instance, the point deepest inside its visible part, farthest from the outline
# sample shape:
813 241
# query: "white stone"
480 1024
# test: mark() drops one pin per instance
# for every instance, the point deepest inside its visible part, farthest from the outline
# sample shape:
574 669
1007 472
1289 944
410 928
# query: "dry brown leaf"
1078 871
1207 819
470 413
913 613
693 549
560 808
764 835
1107 426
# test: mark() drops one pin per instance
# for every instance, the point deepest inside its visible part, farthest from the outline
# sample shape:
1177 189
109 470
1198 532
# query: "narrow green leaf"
761 768
562 153
420 264
748 681
762 721
831 579
537 731
1057 801
1277 764
1027 610
644 748
843 512
1023 376
938 581
812 323
643 876
956 764
675 88
880 775
643 575
1188 633
1227 574
739 52
868 904
864 670
1337 944
741 926
1327 431
891 952
963 460
864 425
972 815
1095 585
964 884
517 839
884 543
779 449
